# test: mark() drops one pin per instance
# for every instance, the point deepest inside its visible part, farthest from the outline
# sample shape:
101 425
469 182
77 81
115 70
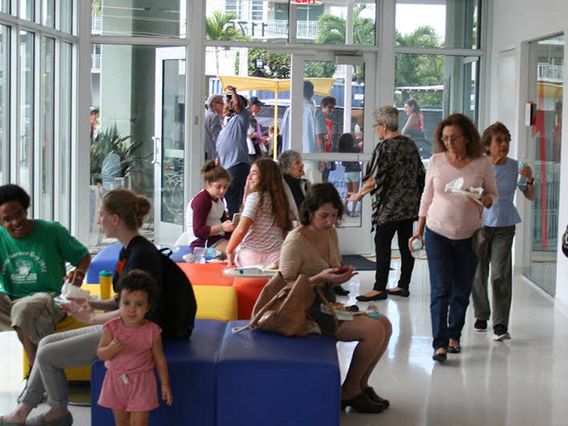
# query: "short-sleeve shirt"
136 356
263 235
232 141
36 263
313 124
504 212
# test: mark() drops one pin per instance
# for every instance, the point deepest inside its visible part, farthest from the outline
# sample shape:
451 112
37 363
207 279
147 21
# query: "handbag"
282 307
479 242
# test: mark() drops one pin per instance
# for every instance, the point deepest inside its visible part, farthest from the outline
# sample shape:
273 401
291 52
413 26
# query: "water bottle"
105 283
199 253
521 180
373 311
417 246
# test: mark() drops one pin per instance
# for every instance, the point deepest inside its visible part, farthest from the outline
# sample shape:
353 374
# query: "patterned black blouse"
399 180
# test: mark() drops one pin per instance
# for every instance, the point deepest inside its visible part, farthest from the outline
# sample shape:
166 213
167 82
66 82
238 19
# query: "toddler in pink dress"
131 347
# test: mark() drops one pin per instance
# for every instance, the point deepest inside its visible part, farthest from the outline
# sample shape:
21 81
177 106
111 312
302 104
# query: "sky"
411 16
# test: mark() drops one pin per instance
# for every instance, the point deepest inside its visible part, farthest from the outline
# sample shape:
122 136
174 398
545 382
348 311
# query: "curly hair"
318 195
129 206
271 183
287 158
473 147
494 129
11 192
137 279
212 172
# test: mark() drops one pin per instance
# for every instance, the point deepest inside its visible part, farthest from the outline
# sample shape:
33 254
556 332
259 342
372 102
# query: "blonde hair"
129 206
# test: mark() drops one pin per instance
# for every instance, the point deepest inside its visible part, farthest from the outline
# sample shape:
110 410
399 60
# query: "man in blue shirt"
233 151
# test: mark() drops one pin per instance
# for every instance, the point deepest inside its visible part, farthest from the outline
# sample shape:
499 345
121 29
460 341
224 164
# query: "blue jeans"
234 195
452 268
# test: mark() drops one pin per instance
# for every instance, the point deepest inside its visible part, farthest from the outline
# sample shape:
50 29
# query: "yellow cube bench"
216 302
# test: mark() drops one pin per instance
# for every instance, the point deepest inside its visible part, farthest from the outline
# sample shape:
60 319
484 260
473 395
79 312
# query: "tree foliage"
276 65
332 30
419 70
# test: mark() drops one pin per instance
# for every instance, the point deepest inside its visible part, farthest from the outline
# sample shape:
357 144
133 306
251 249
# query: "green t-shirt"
36 263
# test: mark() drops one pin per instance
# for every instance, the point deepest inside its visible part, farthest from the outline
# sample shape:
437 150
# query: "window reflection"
431 87
45 160
546 85
446 23
4 99
26 118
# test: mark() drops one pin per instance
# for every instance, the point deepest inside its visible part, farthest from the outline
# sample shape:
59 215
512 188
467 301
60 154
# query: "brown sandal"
454 346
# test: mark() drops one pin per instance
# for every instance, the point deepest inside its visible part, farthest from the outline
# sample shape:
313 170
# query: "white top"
263 235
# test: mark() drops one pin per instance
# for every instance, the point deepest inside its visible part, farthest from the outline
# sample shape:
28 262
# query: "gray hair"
214 98
286 158
387 115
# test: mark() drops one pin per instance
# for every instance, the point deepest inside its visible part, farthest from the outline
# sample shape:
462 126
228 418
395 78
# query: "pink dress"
130 383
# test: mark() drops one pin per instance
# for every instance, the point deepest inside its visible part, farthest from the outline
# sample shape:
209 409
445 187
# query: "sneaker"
500 333
480 325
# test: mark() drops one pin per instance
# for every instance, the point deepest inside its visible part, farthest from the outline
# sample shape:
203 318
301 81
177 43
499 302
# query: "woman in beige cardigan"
312 249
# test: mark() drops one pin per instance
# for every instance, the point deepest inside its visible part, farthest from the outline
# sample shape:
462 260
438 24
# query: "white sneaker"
501 337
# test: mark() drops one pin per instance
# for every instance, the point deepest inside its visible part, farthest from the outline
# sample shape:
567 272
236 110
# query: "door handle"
156 150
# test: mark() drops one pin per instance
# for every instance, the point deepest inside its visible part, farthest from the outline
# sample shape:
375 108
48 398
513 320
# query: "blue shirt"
232 141
504 212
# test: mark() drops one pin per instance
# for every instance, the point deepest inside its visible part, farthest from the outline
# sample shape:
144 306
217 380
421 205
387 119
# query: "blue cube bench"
192 367
106 259
267 379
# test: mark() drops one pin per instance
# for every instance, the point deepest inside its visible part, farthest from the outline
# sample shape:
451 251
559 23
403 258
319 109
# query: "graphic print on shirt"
27 266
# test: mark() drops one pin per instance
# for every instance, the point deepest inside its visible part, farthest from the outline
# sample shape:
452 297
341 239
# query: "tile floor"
520 382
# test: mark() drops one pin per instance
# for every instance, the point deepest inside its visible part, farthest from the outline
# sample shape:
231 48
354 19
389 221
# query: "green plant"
111 141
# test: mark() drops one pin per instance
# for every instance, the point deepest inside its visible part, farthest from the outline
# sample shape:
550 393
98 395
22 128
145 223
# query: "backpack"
177 300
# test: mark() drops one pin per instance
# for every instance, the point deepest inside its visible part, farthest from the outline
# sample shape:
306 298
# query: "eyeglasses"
377 125
452 139
20 214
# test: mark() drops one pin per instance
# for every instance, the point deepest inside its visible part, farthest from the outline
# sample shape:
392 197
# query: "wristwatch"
222 232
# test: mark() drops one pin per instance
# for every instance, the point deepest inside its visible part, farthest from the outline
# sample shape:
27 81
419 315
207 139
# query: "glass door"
546 77
169 143
336 145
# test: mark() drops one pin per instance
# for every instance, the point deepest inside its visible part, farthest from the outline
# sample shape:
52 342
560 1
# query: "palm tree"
221 26
332 30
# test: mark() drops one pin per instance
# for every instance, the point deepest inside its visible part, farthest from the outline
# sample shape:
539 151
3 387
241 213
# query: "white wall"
514 24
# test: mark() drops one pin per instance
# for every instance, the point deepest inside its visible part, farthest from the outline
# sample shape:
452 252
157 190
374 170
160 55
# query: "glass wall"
336 22
26 113
433 86
153 18
63 141
4 102
247 20
45 160
445 23
546 87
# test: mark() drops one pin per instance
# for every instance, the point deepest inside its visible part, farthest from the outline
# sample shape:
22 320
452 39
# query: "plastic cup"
105 283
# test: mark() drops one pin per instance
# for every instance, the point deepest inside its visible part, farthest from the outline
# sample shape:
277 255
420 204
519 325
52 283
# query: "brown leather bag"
282 308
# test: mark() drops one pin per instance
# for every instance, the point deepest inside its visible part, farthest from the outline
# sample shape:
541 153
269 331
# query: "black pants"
383 239
234 195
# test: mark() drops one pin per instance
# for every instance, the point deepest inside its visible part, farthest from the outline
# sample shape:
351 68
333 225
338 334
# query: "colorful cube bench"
267 379
250 378
193 369
248 290
216 302
106 259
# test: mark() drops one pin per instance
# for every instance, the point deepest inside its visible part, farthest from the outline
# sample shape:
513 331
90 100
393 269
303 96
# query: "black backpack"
177 300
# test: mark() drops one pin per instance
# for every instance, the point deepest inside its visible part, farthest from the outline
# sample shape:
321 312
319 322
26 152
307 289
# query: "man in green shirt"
33 254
